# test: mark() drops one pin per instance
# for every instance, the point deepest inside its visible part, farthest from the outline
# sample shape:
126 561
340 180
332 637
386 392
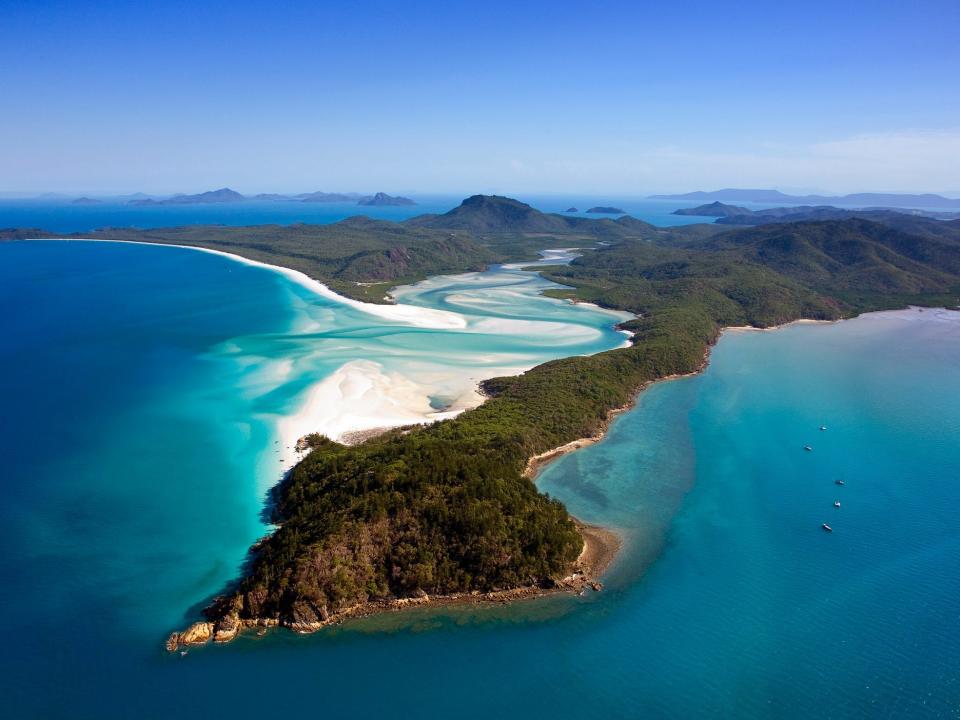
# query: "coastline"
536 463
399 403
799 321
601 545
420 317
600 548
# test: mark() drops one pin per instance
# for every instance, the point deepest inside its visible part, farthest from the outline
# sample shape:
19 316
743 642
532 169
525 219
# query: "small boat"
823 427
808 448
183 653
836 503
827 527
838 482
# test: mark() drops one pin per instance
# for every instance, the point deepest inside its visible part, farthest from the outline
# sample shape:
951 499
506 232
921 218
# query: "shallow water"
142 388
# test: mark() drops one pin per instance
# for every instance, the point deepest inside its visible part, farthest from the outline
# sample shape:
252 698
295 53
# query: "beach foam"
337 373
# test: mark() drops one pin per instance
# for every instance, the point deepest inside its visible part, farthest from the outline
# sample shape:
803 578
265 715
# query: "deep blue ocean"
136 446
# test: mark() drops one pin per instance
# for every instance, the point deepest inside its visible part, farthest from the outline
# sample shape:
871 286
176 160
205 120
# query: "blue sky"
602 97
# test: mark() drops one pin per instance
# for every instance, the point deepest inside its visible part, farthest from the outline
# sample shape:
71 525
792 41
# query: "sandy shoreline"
801 321
600 548
414 315
536 463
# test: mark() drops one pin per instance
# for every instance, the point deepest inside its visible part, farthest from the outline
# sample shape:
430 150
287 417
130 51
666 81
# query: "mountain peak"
381 198
493 213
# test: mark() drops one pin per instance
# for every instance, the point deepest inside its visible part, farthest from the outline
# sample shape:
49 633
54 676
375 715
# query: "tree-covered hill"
850 258
492 214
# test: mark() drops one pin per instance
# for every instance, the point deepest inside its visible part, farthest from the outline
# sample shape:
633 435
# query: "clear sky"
586 97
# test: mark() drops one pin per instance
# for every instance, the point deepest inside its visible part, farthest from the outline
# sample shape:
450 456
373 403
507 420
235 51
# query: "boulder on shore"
197 634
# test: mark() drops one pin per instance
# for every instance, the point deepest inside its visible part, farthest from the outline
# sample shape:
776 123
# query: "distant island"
714 209
606 210
270 197
927 200
734 215
324 197
227 195
223 195
86 201
571 210
384 199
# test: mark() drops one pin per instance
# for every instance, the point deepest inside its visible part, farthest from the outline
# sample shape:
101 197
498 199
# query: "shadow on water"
268 516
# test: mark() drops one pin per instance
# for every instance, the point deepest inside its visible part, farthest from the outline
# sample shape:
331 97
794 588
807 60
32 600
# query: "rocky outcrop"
197 634
309 616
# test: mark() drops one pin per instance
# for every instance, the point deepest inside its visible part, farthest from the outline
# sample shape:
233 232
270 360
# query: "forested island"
605 210
735 215
449 508
902 200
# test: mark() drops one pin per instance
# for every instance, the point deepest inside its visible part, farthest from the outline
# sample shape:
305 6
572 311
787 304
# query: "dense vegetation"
447 508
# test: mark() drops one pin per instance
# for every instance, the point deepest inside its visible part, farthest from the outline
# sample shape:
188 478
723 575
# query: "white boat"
827 527
808 448
836 503
823 427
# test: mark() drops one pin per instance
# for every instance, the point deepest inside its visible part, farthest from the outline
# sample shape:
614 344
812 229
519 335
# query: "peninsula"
448 510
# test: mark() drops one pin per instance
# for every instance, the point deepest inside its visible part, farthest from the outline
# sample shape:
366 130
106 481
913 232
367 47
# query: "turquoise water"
142 392
64 216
